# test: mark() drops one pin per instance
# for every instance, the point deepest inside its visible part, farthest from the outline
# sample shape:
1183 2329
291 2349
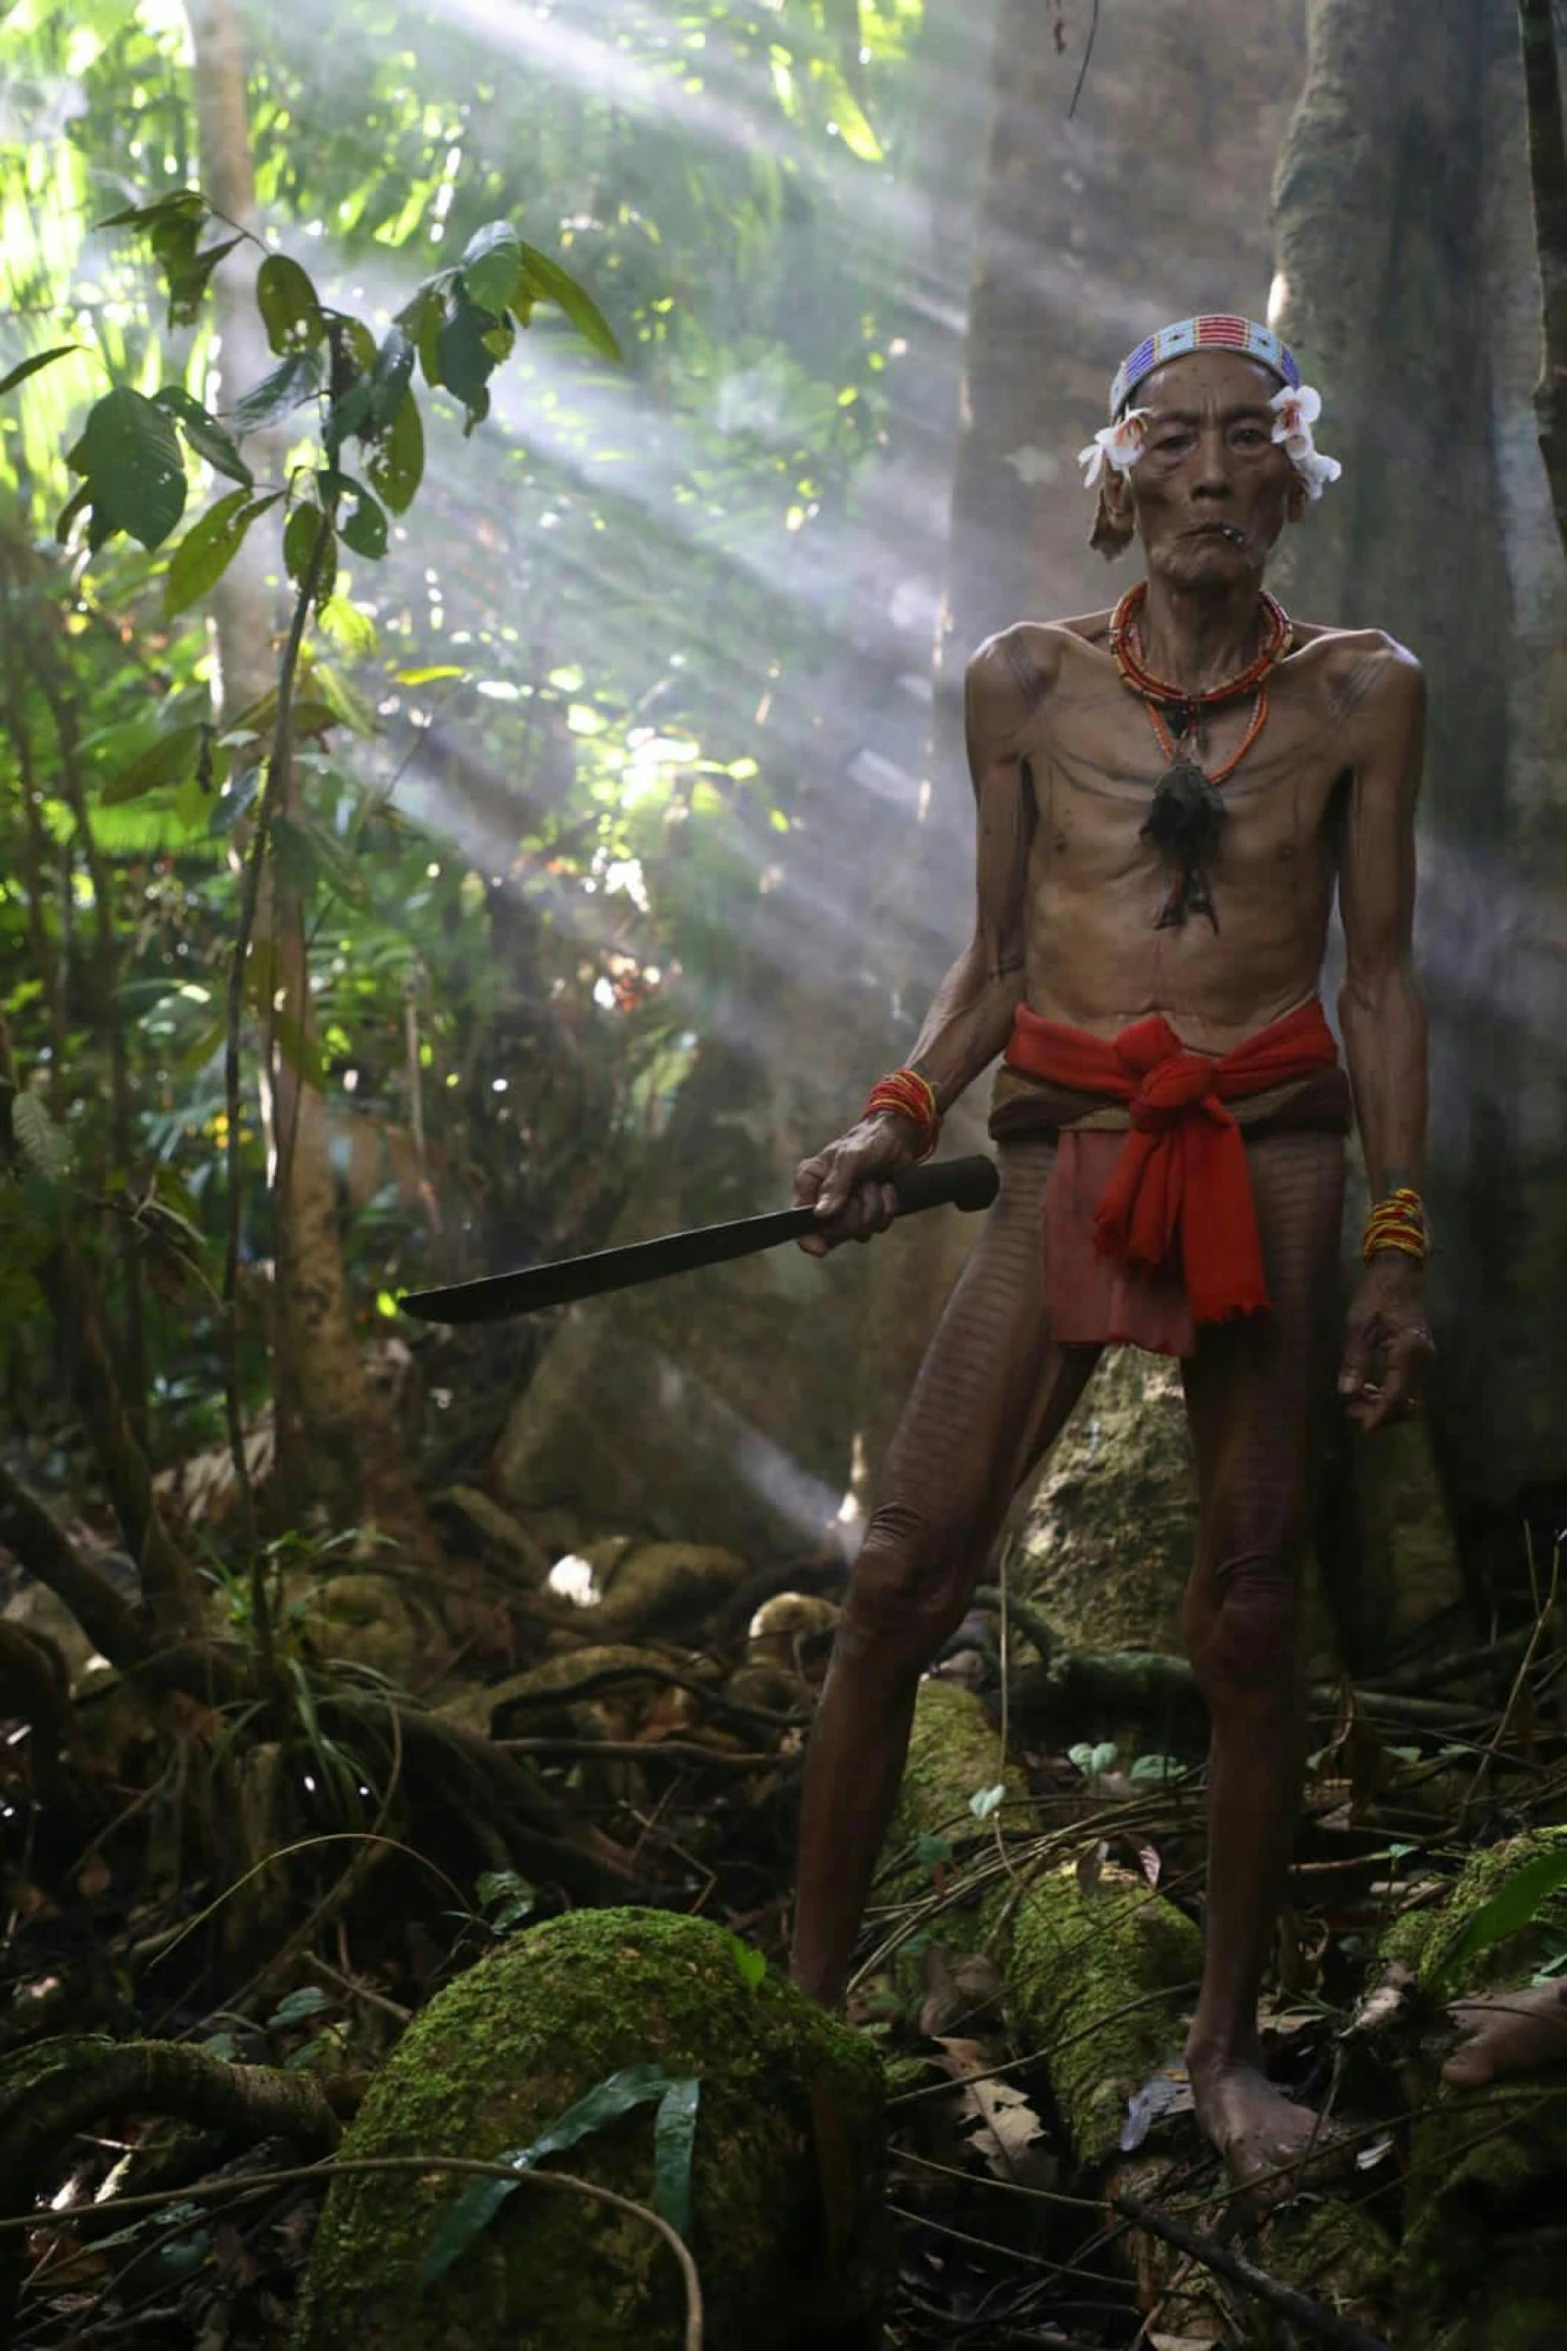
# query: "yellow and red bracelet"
1398 1222
908 1095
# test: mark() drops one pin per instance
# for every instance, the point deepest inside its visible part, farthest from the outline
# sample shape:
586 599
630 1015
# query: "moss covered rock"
786 2224
954 1752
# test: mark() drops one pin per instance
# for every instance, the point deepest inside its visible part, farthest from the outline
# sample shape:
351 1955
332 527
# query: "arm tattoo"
1024 671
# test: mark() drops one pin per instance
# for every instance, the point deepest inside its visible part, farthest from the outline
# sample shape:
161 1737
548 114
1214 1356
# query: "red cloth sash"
1181 1173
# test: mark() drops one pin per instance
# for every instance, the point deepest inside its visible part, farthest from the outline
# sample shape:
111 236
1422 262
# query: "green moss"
1340 2253
954 1751
1097 1981
1480 2271
1422 1939
791 2101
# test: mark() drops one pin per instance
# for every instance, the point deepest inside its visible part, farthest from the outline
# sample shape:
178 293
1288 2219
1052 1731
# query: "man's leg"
1255 1392
992 1392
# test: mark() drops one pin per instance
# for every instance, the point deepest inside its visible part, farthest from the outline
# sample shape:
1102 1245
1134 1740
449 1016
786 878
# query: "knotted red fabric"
1180 1175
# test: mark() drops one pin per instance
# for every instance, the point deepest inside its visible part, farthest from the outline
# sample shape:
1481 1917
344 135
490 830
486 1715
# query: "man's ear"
1113 529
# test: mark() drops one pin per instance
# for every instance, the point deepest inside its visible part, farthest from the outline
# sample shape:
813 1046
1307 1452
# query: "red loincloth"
1168 1203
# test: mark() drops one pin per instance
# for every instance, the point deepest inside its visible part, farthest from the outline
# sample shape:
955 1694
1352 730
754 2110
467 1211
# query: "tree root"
50 2092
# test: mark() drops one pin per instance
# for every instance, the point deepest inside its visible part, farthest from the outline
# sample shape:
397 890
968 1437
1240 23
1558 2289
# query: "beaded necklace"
1187 814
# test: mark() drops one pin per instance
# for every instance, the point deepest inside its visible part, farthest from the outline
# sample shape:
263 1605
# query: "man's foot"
1507 2032
1267 2141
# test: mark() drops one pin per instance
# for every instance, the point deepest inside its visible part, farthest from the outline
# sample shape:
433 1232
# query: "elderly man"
1167 795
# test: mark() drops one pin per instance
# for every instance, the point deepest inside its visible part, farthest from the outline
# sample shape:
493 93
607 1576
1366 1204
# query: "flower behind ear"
1119 445
1295 410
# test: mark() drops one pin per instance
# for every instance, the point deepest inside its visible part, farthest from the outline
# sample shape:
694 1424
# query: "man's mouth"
1220 530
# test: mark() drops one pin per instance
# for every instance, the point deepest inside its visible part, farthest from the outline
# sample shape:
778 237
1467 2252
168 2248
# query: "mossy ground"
1484 2253
786 2199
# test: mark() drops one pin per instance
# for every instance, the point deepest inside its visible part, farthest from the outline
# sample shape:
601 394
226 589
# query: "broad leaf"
491 265
277 395
364 529
188 277
466 364
674 2140
553 284
301 1053
343 698
179 203
477 2206
209 547
204 433
294 2007
289 305
167 760
301 533
1516 1904
30 367
389 379
130 457
395 463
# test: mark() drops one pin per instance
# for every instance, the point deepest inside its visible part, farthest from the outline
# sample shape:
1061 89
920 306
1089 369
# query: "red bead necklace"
1278 635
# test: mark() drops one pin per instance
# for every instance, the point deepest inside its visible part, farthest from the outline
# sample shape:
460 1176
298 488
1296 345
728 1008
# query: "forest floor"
662 1762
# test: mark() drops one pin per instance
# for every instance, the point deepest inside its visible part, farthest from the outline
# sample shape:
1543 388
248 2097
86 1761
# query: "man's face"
1212 489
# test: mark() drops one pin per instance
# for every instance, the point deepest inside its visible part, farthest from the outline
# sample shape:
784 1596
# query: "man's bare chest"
1093 786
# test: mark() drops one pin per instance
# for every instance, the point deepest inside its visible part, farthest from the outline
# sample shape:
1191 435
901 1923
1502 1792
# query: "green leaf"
209 547
553 284
277 395
985 1801
30 367
491 265
1156 1767
45 1148
204 433
421 320
343 699
300 534
674 2140
188 275
235 802
930 1849
365 527
168 759
130 457
477 2206
466 366
751 1963
1516 1904
395 464
289 304
389 378
179 203
309 2000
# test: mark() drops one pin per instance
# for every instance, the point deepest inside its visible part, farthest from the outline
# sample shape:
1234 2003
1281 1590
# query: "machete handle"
969 1184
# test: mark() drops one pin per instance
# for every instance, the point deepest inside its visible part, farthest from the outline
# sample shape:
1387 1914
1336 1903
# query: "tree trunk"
1420 322
336 1445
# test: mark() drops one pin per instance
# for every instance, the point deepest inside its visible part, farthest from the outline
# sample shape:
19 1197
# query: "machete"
960 1183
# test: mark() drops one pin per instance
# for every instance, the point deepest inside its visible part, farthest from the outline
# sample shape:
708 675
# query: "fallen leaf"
1167 2092
956 1987
1384 2005
1151 1863
1369 2157
1007 2127
1089 1867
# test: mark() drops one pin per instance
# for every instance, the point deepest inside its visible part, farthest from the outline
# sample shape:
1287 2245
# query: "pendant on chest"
1184 825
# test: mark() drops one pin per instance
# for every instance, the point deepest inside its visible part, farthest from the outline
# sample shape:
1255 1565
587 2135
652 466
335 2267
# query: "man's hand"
1387 1320
847 1183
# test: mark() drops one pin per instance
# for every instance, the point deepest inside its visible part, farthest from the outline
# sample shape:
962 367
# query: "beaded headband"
1214 332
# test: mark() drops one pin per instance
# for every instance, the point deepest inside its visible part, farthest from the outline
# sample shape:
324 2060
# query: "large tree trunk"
336 1444
1410 287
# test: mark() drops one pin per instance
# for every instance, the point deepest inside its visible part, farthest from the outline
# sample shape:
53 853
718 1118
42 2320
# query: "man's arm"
971 1016
1380 1009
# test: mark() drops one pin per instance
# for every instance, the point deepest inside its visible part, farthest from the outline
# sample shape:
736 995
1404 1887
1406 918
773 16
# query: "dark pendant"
1184 824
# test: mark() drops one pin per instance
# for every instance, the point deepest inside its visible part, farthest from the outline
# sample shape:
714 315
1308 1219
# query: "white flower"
1296 409
1119 445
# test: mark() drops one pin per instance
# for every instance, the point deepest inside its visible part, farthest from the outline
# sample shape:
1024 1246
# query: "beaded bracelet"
908 1095
1398 1222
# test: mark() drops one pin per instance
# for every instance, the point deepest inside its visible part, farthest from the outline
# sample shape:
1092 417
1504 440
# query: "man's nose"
1211 475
